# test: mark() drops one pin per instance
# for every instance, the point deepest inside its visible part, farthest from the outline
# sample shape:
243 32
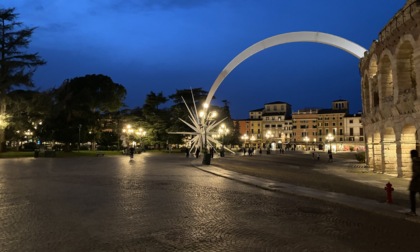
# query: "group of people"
249 150
197 152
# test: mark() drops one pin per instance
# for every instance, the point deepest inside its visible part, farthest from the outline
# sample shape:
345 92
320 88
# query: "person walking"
131 153
329 155
414 186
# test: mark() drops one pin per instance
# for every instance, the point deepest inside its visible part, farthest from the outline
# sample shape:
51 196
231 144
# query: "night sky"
165 45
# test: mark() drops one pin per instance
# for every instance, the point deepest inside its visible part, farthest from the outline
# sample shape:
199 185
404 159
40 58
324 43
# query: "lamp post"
127 130
78 147
252 138
223 131
330 138
268 135
140 133
306 140
244 137
206 117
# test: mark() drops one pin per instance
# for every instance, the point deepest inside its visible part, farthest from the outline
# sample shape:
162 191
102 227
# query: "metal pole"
78 147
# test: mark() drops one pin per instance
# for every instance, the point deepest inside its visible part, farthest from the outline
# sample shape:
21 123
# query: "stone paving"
160 202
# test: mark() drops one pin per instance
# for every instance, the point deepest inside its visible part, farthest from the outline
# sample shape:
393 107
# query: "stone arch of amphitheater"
390 83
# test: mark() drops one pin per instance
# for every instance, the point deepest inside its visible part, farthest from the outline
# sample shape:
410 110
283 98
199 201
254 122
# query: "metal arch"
291 37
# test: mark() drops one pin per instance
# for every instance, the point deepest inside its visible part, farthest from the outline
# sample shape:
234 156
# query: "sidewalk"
348 171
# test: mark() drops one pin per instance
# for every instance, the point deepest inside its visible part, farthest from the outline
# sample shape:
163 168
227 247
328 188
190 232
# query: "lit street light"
268 135
140 133
244 137
206 117
223 131
306 140
330 138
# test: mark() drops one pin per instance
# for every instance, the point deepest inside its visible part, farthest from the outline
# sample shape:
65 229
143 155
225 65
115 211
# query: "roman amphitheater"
390 73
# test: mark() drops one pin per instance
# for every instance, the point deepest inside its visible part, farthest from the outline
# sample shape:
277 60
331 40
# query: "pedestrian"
330 157
244 151
211 152
313 155
187 152
317 157
197 152
131 152
260 151
414 186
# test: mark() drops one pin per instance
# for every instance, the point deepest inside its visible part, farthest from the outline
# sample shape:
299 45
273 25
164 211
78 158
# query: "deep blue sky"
164 45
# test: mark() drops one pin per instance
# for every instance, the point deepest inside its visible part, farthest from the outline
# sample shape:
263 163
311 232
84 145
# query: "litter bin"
36 153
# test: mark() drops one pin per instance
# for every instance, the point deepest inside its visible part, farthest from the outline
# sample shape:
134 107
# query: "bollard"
389 189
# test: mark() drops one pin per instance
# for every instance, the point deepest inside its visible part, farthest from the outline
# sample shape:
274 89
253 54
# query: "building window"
361 139
361 131
326 124
351 121
351 132
341 131
333 124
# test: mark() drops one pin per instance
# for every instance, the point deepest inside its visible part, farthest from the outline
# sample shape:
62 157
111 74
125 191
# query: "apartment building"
275 126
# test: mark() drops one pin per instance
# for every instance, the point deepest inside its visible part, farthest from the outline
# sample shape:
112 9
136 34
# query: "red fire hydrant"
389 189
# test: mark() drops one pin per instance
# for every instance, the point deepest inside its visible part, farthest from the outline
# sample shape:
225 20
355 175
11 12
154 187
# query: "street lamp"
306 140
252 138
140 133
244 137
127 130
330 138
223 131
268 135
78 147
206 117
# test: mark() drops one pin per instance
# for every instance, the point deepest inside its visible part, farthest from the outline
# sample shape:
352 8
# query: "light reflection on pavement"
160 202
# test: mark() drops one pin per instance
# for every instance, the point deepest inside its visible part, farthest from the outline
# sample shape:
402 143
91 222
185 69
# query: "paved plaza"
166 202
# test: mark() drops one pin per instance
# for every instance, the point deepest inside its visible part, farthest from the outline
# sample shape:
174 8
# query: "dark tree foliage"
16 65
27 110
155 120
79 103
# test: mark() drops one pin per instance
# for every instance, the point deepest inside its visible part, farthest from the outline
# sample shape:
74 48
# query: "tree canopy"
16 65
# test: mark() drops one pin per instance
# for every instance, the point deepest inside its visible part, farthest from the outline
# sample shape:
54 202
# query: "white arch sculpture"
303 36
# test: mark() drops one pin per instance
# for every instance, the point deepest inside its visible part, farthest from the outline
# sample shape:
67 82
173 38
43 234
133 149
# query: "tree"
16 65
27 110
155 120
78 105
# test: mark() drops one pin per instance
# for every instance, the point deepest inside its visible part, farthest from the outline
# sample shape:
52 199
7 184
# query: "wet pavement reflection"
160 202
